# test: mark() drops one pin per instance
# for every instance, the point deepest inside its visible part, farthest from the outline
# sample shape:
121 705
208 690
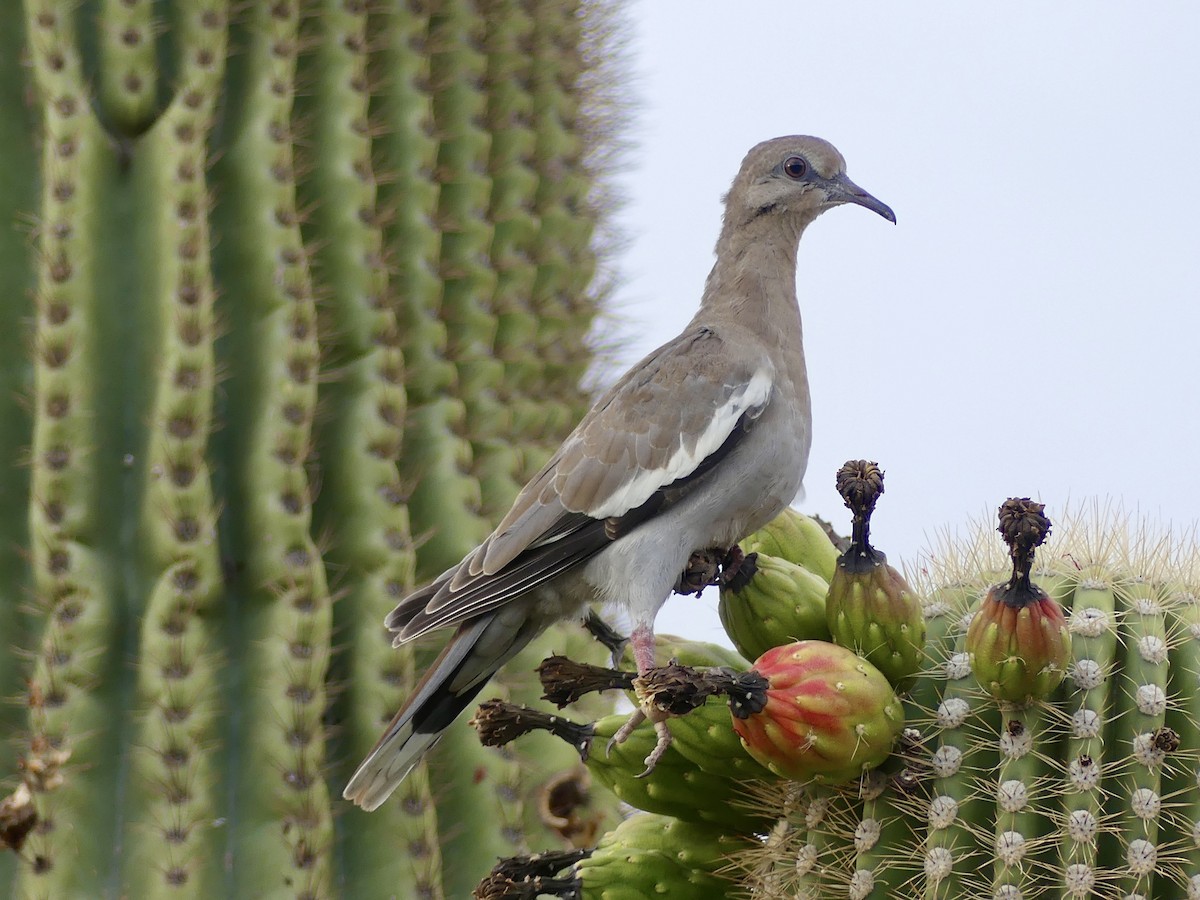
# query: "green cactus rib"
505 117
1139 713
1181 780
128 83
562 254
473 783
444 500
76 483
281 820
457 66
1022 784
171 846
883 825
18 195
1093 631
509 119
960 768
359 442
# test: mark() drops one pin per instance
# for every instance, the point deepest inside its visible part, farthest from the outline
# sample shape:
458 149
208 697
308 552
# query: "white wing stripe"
683 462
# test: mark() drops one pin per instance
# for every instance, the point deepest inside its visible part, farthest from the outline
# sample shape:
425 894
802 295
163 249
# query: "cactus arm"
170 843
1141 706
280 816
1093 647
128 64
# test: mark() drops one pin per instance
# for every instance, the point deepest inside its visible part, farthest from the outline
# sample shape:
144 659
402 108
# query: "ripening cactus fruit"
1088 791
296 294
1018 643
829 714
870 607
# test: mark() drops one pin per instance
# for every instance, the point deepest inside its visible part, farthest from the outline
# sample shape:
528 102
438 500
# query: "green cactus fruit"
1018 641
687 652
870 607
648 857
829 714
712 792
799 539
772 601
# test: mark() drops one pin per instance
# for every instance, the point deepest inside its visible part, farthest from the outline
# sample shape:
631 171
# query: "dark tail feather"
450 684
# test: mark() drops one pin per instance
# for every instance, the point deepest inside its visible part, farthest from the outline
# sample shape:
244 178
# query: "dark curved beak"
843 190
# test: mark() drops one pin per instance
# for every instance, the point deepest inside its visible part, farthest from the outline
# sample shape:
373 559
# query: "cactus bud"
829 715
870 608
1018 640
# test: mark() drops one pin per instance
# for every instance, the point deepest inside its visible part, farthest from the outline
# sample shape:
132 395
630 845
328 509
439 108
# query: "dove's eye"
795 167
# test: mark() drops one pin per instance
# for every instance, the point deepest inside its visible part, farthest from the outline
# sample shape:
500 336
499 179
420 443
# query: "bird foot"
659 718
606 635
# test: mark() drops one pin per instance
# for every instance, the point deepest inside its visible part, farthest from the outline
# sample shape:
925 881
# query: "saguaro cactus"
309 285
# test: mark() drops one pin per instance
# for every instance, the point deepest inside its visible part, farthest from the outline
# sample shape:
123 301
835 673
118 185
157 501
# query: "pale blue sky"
1032 324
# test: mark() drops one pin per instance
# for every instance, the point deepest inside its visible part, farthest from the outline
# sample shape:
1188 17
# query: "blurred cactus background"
295 295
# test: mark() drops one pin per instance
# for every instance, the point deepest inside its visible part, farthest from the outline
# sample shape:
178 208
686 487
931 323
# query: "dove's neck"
753 282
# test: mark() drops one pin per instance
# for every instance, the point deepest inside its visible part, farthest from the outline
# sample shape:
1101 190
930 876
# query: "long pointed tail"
477 650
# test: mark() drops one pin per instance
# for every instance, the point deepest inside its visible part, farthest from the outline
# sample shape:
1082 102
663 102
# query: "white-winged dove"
699 444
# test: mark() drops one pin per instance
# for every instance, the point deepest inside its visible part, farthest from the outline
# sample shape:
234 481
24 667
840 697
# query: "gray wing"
669 420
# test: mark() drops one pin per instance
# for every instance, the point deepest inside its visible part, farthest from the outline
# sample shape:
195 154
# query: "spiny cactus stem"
1141 706
1093 646
860 482
498 722
1019 820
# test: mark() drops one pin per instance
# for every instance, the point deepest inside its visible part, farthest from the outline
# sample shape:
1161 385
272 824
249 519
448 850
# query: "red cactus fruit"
828 715
1018 642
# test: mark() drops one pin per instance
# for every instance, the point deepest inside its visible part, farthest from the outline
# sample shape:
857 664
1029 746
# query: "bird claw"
638 717
664 742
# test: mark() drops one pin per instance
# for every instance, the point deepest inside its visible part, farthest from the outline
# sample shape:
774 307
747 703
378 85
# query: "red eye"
795 167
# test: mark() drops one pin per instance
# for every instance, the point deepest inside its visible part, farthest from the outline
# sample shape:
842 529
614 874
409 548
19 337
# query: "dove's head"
797 176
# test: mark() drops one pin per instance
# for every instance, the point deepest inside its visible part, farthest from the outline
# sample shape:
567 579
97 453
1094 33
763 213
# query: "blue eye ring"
795 167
